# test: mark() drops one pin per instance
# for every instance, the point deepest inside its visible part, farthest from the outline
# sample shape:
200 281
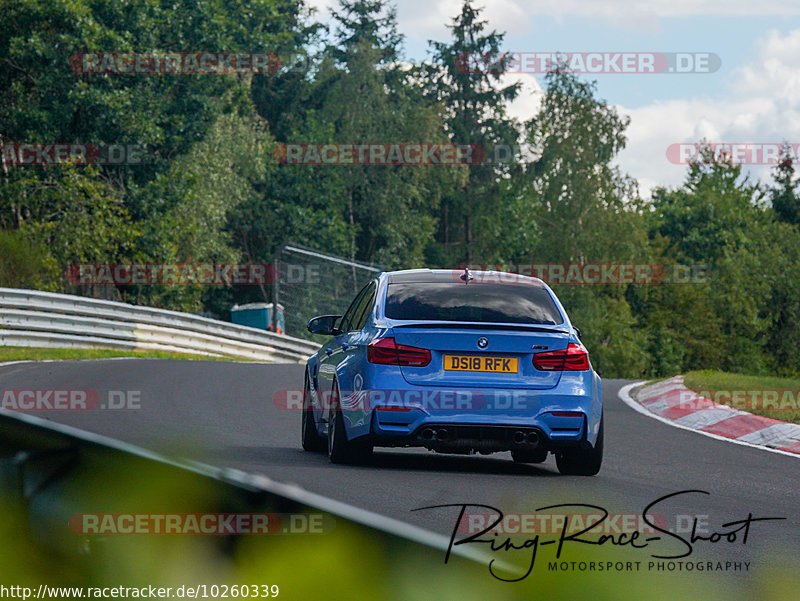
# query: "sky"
752 97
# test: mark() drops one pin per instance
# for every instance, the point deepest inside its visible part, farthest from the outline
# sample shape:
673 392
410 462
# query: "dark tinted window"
482 303
349 316
363 309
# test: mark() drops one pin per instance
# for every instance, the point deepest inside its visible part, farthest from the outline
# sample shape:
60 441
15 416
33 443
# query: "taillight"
385 351
572 358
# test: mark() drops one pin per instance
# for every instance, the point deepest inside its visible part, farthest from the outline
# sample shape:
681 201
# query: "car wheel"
535 456
341 450
311 440
582 462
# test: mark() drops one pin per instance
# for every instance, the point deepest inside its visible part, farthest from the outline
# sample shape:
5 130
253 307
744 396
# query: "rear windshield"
482 303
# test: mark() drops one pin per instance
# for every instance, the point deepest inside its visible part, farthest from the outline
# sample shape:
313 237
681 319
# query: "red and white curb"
671 402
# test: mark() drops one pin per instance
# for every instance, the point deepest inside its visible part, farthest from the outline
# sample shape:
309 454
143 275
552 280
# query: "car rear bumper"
495 420
451 437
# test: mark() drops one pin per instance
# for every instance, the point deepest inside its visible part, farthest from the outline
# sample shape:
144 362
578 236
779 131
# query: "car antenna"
467 276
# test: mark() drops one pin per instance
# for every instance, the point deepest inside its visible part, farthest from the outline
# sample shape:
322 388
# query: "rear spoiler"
467 325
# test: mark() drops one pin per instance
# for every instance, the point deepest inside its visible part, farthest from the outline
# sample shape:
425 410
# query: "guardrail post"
276 288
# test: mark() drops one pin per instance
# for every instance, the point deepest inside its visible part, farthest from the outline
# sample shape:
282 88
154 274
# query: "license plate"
503 365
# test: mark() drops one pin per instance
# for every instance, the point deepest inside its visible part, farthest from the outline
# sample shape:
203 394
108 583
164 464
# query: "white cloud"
761 104
526 104
424 19
616 9
427 18
430 18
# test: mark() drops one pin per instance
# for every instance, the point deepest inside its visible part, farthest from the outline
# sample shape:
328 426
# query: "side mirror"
325 325
578 332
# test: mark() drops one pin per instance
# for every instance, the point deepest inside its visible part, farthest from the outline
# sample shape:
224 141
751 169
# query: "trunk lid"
456 353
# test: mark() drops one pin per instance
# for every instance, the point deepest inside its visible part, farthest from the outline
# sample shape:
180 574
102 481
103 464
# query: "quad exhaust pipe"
530 439
431 434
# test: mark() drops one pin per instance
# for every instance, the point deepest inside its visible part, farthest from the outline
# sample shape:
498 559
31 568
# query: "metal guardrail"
45 319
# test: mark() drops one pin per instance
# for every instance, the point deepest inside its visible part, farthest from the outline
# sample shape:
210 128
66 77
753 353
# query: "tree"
25 263
192 205
111 213
578 208
784 193
366 25
474 105
717 220
581 203
713 209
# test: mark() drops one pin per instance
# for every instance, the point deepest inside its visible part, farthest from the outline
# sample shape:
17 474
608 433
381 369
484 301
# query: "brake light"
572 358
385 351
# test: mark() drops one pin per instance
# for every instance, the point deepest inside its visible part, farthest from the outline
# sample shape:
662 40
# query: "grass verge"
20 353
769 396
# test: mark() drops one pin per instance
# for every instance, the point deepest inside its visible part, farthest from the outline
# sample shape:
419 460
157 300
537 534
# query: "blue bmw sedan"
455 362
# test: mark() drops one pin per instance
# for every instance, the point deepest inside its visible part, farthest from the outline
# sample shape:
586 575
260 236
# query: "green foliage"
25 263
197 165
211 190
746 392
609 329
25 353
572 188
473 105
711 212
728 322
784 194
358 95
186 210
573 206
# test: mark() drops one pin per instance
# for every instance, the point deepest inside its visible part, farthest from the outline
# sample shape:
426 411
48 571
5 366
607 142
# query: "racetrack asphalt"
223 414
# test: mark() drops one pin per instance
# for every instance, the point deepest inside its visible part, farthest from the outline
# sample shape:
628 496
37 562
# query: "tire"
341 450
535 456
582 462
311 440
